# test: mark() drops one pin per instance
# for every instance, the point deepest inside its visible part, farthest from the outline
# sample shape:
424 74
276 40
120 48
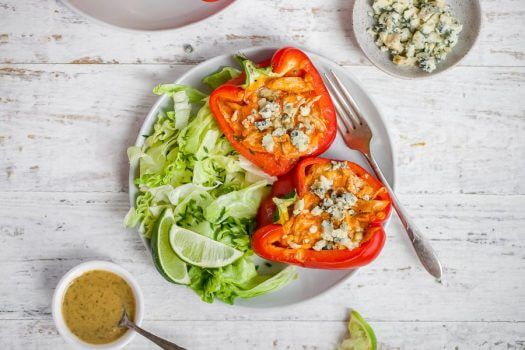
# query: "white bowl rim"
79 270
102 23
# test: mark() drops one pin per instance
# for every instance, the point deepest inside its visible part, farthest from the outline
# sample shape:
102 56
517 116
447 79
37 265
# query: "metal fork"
357 135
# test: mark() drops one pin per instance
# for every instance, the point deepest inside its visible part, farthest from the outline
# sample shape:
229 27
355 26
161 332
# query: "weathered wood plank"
308 335
460 160
479 239
66 127
57 35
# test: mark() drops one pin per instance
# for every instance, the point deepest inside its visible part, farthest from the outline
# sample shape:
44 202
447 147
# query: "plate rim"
102 23
394 73
132 190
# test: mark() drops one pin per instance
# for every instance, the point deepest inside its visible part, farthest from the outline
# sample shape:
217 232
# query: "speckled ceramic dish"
467 11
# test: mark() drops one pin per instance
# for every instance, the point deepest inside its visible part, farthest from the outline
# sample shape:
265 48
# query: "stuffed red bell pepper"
329 215
276 112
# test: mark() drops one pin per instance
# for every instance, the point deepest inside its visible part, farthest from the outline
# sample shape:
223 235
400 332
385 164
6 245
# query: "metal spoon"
164 344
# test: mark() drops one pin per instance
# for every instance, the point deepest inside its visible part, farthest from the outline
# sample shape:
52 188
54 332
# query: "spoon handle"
163 343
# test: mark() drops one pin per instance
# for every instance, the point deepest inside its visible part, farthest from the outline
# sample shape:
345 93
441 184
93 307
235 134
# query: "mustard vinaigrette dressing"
92 306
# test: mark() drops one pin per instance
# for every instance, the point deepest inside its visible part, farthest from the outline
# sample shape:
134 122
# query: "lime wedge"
200 250
166 261
362 336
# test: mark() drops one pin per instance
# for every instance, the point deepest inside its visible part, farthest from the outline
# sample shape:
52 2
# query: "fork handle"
424 251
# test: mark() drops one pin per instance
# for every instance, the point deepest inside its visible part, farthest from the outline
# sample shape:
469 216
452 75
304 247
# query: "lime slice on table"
201 251
170 266
362 336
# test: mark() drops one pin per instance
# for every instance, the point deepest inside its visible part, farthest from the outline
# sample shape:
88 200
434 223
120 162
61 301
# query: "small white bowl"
467 11
61 288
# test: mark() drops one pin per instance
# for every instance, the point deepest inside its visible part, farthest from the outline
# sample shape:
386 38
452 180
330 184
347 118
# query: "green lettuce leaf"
191 137
221 77
271 284
238 204
194 95
182 109
239 279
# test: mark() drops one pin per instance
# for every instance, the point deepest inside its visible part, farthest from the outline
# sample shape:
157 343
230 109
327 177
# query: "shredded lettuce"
237 204
194 95
186 164
254 173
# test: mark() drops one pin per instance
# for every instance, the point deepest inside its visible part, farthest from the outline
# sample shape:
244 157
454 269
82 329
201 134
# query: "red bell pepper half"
370 210
276 112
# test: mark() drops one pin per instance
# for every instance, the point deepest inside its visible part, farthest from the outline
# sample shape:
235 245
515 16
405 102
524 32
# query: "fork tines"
347 109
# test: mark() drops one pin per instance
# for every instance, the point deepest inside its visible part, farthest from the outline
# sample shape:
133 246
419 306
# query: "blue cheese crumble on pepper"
415 32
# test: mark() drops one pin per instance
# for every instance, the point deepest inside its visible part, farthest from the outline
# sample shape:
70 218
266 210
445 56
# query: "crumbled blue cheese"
305 111
299 140
279 132
336 212
330 236
298 207
327 230
316 211
415 32
268 93
321 186
347 200
338 165
348 243
339 205
327 203
319 245
269 109
288 108
248 121
263 124
339 234
268 143
313 229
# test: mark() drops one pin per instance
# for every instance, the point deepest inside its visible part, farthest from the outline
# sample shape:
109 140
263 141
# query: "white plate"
467 11
310 282
147 15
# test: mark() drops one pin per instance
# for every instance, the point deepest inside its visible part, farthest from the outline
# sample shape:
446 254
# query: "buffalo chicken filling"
335 212
278 115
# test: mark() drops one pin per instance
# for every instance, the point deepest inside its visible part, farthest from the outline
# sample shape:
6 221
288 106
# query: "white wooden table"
73 96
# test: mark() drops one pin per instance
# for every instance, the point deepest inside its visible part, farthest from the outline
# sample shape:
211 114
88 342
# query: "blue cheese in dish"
415 32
